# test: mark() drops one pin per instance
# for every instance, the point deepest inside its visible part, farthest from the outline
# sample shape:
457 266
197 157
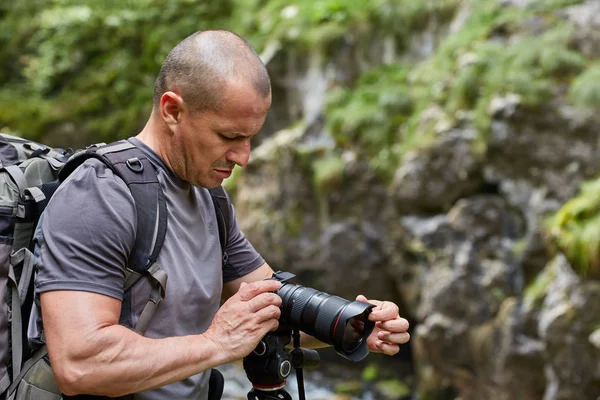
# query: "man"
211 97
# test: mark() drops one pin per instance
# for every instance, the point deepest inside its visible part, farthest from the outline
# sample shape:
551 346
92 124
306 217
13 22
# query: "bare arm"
91 354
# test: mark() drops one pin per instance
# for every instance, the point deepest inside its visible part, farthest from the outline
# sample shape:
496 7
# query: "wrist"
214 351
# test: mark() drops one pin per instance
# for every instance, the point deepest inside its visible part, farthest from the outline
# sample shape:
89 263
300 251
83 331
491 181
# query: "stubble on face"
200 148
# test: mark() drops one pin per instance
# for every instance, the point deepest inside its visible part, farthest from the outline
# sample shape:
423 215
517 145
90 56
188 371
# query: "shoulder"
93 188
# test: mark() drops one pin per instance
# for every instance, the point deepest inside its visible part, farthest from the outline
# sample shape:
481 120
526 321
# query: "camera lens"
331 319
354 333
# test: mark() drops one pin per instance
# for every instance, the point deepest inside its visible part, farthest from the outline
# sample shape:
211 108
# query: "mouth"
223 173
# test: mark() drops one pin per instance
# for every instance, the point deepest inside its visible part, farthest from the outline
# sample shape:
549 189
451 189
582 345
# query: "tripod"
268 366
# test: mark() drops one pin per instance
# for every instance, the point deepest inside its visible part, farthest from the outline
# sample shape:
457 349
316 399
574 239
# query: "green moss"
551 5
474 65
393 389
498 293
370 373
349 388
369 115
575 229
491 55
520 246
293 223
585 90
328 172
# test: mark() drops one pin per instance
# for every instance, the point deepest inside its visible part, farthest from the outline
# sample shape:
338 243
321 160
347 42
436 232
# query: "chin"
210 184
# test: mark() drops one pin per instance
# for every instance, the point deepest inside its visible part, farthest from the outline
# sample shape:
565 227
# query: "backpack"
30 173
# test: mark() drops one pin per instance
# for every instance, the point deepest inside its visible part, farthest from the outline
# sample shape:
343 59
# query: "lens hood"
351 330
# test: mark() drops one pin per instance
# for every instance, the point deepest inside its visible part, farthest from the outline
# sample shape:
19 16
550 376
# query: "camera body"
343 324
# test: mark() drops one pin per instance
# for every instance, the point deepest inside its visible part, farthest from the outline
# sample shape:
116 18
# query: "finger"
389 349
394 338
395 325
362 298
253 289
385 311
267 313
263 300
272 325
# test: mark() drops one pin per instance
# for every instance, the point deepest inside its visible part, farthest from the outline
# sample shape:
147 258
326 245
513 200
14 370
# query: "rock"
431 180
586 17
544 149
567 319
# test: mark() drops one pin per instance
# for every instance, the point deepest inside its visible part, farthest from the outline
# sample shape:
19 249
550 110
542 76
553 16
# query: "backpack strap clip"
135 164
159 290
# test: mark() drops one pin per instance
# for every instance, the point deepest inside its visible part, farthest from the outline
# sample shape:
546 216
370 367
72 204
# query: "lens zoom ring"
322 326
300 302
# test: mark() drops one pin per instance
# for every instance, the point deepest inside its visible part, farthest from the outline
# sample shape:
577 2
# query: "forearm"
121 362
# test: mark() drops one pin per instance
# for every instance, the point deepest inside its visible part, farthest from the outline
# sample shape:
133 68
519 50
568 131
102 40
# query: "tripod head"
269 365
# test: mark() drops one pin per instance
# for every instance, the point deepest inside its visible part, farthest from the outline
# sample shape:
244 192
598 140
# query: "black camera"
338 322
343 324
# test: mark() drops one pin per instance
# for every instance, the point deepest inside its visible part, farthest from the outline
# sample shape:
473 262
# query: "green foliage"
575 229
585 90
87 68
320 22
551 5
370 114
480 62
493 54
92 63
536 291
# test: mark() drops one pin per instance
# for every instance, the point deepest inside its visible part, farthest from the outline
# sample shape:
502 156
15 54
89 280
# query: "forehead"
243 100
242 109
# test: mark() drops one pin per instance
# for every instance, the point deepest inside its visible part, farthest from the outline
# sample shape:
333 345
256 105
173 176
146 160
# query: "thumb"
360 297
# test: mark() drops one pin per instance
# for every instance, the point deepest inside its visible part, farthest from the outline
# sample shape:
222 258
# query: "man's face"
207 145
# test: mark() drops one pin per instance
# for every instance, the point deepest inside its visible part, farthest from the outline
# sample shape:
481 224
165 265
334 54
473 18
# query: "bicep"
73 318
262 272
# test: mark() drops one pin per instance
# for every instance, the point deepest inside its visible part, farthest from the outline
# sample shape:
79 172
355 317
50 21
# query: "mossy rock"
349 388
392 389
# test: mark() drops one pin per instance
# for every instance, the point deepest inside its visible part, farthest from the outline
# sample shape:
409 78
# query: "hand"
390 329
244 319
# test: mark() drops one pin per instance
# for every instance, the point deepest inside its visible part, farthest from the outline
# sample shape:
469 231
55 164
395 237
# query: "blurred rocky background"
442 154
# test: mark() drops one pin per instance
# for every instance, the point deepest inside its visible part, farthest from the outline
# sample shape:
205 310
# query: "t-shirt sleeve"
86 234
242 257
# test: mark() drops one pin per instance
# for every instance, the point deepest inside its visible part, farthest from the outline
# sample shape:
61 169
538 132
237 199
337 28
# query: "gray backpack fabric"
24 167
29 174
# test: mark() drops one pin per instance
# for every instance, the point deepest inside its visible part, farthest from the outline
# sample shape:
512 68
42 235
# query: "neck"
152 136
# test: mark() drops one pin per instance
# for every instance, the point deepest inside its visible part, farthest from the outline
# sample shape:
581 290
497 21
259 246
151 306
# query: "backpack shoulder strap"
135 169
221 203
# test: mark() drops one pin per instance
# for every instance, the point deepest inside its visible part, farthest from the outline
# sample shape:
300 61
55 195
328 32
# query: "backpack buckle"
135 164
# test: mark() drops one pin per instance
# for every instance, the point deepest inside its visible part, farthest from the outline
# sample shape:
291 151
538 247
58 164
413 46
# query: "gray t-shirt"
87 233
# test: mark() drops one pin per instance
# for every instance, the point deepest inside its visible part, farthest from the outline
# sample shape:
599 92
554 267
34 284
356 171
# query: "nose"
240 154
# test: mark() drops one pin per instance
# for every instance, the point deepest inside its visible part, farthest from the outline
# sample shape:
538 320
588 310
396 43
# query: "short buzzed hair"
201 64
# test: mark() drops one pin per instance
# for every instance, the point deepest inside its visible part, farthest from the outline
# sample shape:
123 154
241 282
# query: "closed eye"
227 138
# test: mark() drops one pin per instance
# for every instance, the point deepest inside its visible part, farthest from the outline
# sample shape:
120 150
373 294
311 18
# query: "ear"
172 108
